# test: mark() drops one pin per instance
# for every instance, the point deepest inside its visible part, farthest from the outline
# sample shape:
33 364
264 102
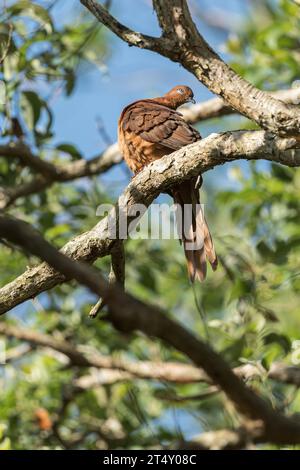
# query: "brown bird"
151 128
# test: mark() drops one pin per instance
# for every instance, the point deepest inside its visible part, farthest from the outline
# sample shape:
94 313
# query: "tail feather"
196 232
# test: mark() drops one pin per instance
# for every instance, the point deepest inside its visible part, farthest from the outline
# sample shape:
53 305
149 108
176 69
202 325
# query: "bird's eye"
180 91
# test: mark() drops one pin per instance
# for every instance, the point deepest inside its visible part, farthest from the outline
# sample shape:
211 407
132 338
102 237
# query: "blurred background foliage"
249 309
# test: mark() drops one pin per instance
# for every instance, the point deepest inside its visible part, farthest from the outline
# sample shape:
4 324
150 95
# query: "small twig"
173 397
201 311
116 275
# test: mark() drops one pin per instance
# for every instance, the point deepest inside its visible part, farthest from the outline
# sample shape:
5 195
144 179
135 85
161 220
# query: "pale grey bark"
182 42
189 161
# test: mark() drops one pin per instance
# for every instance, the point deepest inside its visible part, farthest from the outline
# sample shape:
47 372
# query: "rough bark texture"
182 42
129 314
187 162
50 173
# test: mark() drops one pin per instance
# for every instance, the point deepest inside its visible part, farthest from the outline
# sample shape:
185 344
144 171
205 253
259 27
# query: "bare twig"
117 274
133 38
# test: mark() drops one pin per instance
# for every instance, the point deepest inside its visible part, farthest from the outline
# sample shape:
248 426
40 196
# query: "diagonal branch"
182 42
185 163
217 107
212 108
129 314
133 38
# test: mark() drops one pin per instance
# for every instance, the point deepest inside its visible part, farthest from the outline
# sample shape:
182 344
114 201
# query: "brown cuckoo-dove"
151 128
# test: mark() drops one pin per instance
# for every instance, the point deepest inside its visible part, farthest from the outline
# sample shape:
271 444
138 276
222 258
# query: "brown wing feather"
149 130
156 123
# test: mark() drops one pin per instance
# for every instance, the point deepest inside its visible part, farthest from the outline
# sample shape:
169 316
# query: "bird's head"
179 95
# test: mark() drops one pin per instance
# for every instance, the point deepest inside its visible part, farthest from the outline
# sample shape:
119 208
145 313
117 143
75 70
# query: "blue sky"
132 73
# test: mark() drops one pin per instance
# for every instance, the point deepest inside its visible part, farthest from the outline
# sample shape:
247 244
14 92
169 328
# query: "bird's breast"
137 152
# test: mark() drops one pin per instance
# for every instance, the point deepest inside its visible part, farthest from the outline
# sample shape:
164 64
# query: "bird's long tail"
193 229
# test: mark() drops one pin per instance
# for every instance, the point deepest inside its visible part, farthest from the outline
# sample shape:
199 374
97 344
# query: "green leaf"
34 11
31 106
70 149
280 339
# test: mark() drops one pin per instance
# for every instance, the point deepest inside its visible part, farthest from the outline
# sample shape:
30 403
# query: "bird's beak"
192 100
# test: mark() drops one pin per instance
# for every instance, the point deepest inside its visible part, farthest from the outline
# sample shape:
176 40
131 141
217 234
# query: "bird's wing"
159 124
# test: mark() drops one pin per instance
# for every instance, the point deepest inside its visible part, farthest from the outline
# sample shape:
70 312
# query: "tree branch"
23 153
8 43
129 314
182 42
285 374
155 178
215 107
58 173
117 274
176 372
81 356
223 439
133 38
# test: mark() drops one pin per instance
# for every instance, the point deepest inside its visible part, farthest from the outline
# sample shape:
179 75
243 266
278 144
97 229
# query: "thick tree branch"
182 42
215 107
185 163
129 314
58 173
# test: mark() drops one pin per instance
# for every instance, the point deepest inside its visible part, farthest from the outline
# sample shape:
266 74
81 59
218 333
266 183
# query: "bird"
149 129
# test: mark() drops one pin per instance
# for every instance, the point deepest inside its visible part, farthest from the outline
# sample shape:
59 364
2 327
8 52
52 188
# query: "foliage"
250 305
266 50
